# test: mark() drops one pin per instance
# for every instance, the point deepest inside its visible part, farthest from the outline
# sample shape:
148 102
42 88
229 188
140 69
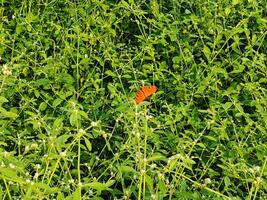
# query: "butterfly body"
144 93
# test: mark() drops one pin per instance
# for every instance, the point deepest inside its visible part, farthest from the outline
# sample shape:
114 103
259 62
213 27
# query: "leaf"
112 90
20 28
110 73
210 138
162 187
239 108
74 118
77 193
201 89
84 37
61 140
42 106
88 144
207 52
56 102
218 70
124 4
82 113
126 169
7 114
227 105
227 181
172 164
10 174
110 182
187 11
238 69
149 182
3 100
57 123
157 156
123 107
263 80
264 185
37 93
60 196
235 2
127 76
66 78
189 162
227 10
176 59
97 186
42 82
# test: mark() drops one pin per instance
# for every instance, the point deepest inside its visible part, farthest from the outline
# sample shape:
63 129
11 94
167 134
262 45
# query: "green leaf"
263 80
82 113
235 2
57 123
176 59
88 144
227 181
149 182
112 90
3 100
227 10
56 102
7 114
207 52
238 69
110 73
37 93
126 169
210 138
227 105
42 82
60 196
110 182
124 4
61 140
42 106
217 70
162 187
77 194
157 156
97 186
239 108
10 174
74 118
66 78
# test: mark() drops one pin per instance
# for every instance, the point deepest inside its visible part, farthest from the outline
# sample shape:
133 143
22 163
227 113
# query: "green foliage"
69 126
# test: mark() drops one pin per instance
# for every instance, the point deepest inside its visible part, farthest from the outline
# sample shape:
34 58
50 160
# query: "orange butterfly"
144 93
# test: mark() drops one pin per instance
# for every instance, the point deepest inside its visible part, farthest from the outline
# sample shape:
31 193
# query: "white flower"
6 71
71 181
207 181
63 154
11 166
28 181
94 124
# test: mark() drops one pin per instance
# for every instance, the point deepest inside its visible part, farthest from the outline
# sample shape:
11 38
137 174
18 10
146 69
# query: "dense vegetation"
69 126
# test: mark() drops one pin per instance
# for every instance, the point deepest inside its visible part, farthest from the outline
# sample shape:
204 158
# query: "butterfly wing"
140 96
144 93
149 90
